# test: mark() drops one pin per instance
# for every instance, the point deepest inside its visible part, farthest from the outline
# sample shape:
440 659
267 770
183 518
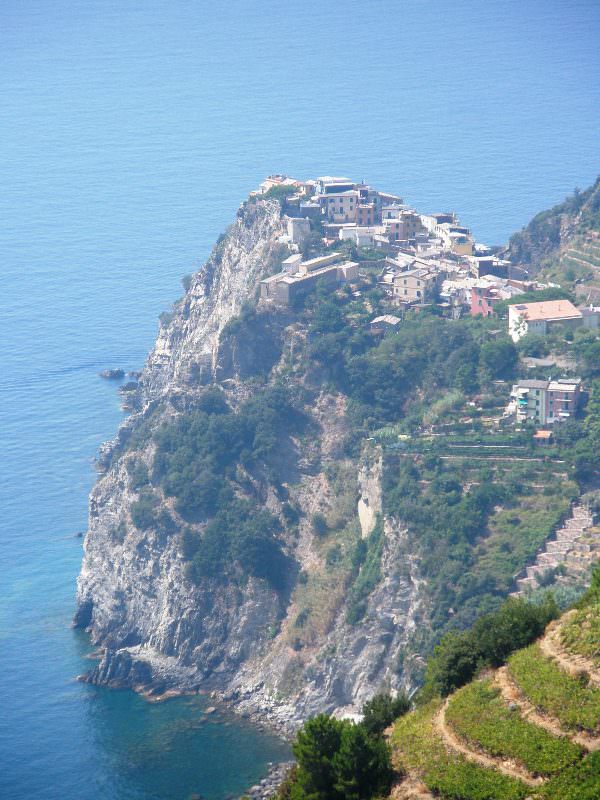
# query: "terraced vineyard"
528 730
580 634
582 259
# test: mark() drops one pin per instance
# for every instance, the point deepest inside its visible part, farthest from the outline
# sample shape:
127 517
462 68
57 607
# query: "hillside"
299 507
563 244
529 729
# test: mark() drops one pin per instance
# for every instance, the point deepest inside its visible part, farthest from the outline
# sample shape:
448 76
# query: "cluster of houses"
421 259
424 258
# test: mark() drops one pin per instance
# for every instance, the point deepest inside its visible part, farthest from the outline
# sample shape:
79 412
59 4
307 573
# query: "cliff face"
158 629
542 242
186 351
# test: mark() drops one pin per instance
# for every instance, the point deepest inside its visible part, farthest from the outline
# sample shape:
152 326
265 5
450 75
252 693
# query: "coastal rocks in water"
112 374
130 386
271 782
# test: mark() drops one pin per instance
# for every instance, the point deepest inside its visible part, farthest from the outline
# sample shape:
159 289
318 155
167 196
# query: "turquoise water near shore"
130 133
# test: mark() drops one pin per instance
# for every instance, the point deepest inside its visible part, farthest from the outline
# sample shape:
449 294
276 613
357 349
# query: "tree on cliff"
338 760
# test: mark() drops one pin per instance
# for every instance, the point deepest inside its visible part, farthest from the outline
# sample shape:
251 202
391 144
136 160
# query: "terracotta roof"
548 309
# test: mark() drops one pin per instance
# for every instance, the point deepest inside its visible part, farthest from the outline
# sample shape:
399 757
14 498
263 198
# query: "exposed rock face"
158 630
369 502
186 350
550 232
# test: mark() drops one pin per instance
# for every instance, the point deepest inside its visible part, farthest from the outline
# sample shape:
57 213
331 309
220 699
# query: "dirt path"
452 741
512 694
411 789
552 647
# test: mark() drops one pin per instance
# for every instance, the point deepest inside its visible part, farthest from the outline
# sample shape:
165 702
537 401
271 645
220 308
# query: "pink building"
483 300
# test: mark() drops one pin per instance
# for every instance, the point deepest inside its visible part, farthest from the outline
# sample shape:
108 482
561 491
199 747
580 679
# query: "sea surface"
129 133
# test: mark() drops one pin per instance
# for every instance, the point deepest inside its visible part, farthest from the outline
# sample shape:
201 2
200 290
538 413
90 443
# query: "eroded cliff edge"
279 652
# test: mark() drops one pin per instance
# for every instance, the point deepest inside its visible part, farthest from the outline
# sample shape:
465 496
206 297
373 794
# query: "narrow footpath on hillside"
411 789
572 663
513 695
453 742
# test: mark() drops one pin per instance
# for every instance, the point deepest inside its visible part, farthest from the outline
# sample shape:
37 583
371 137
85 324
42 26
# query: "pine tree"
315 749
362 765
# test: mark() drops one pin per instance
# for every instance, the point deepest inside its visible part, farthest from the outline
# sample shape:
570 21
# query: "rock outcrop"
158 630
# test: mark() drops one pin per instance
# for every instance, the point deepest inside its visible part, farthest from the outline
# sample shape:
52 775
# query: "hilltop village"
340 459
343 234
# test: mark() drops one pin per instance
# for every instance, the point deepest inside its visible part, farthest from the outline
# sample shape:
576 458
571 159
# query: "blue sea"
129 133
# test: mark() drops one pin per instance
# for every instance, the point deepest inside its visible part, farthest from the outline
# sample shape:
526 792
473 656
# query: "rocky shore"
268 786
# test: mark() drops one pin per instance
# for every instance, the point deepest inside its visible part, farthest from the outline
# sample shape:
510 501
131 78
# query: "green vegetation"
460 655
338 760
198 452
381 710
401 375
146 512
543 234
486 723
573 702
280 193
241 540
473 542
366 563
580 633
579 782
138 473
579 440
417 747
479 715
198 460
551 293
319 524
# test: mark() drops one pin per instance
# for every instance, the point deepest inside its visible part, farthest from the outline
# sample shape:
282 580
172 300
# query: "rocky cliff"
550 233
283 653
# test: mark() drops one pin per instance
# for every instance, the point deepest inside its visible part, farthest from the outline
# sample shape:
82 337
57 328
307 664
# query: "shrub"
143 511
138 473
381 710
362 765
491 639
367 568
319 524
338 760
240 540
315 748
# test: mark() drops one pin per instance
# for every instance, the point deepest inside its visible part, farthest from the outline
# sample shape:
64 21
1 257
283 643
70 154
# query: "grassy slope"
483 722
575 704
478 714
581 633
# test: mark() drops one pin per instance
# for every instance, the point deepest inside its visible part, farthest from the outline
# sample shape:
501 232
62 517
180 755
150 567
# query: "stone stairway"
573 548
